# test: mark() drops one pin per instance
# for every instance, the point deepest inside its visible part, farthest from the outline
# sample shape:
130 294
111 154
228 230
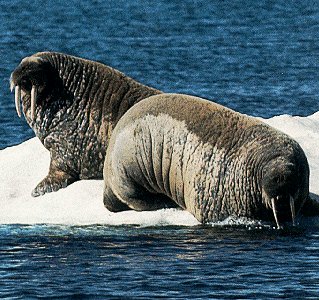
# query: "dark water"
257 57
170 262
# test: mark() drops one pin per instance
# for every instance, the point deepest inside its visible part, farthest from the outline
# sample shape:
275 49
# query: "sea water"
257 57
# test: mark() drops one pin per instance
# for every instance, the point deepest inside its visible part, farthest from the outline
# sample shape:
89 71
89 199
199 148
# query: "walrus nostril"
33 101
17 99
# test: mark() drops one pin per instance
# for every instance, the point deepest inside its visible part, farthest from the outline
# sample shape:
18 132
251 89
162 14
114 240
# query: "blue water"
257 57
173 262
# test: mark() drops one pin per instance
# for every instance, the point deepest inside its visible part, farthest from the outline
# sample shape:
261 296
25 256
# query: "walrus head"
282 189
37 85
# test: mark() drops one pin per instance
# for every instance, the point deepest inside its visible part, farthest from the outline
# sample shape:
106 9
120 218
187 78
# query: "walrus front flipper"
55 180
311 206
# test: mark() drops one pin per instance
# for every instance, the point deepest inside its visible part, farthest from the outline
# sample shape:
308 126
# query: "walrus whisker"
293 211
274 210
33 101
17 99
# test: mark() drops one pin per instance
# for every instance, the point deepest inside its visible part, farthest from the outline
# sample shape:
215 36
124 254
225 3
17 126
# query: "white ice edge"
24 165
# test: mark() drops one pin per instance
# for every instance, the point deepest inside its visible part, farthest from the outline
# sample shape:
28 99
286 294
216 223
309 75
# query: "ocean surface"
260 58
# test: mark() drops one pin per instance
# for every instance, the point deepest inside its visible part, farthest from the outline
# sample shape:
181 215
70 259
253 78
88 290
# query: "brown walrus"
208 159
72 104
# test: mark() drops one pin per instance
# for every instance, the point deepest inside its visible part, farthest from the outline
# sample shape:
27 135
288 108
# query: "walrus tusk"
17 99
12 86
33 101
293 211
273 206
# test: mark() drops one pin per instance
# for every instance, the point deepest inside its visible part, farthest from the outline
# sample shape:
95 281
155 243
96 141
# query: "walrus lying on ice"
208 159
72 104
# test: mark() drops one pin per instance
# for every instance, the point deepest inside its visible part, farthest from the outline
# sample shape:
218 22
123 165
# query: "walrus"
72 105
208 159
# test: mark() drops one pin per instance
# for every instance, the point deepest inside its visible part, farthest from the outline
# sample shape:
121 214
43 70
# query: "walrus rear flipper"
112 203
138 200
152 202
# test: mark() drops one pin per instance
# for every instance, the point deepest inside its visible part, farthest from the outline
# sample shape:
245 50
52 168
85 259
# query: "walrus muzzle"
21 85
274 204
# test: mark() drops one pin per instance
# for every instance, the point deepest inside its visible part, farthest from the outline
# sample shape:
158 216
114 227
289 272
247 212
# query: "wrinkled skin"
208 159
78 103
